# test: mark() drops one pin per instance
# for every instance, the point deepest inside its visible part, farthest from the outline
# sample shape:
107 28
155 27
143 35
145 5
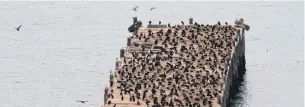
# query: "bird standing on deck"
135 9
152 8
18 28
82 101
122 98
182 22
159 22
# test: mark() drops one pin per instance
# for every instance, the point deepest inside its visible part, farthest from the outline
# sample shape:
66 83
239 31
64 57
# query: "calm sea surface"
64 50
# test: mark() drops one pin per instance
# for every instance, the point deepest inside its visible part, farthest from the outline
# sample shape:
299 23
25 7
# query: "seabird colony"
186 66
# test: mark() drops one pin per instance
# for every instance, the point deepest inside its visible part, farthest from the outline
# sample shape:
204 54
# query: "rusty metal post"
122 52
117 64
106 95
128 41
135 19
190 21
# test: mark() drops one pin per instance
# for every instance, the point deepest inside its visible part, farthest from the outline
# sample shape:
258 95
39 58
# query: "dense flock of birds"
188 70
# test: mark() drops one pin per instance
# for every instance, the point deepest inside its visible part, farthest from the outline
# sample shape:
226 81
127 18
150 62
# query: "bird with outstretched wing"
18 28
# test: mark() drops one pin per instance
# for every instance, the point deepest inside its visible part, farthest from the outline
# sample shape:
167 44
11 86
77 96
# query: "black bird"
226 23
135 9
122 98
182 22
109 102
168 25
149 22
159 22
152 8
219 23
18 28
82 101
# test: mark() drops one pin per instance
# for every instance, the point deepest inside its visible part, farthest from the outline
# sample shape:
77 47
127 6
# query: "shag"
135 9
152 8
18 28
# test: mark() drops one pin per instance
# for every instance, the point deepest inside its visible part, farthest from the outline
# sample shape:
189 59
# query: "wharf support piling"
236 71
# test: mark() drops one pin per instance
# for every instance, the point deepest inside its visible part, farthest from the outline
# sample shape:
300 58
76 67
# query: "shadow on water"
237 99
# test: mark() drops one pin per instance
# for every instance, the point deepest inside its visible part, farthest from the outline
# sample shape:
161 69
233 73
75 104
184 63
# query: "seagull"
182 22
18 28
135 9
82 101
152 8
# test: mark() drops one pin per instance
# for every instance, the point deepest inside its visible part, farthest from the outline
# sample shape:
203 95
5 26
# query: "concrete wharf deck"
181 65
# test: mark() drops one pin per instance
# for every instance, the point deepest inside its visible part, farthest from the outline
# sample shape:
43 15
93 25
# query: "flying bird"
135 9
18 28
152 8
82 101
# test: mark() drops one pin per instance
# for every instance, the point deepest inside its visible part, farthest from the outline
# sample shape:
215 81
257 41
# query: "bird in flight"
82 101
18 28
135 9
152 8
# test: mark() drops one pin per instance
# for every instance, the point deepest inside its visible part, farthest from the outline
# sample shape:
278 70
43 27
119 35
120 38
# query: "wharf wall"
237 69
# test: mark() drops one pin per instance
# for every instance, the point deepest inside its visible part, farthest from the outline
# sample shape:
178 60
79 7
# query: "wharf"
180 65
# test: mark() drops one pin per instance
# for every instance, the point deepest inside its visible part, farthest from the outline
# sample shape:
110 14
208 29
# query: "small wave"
254 39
